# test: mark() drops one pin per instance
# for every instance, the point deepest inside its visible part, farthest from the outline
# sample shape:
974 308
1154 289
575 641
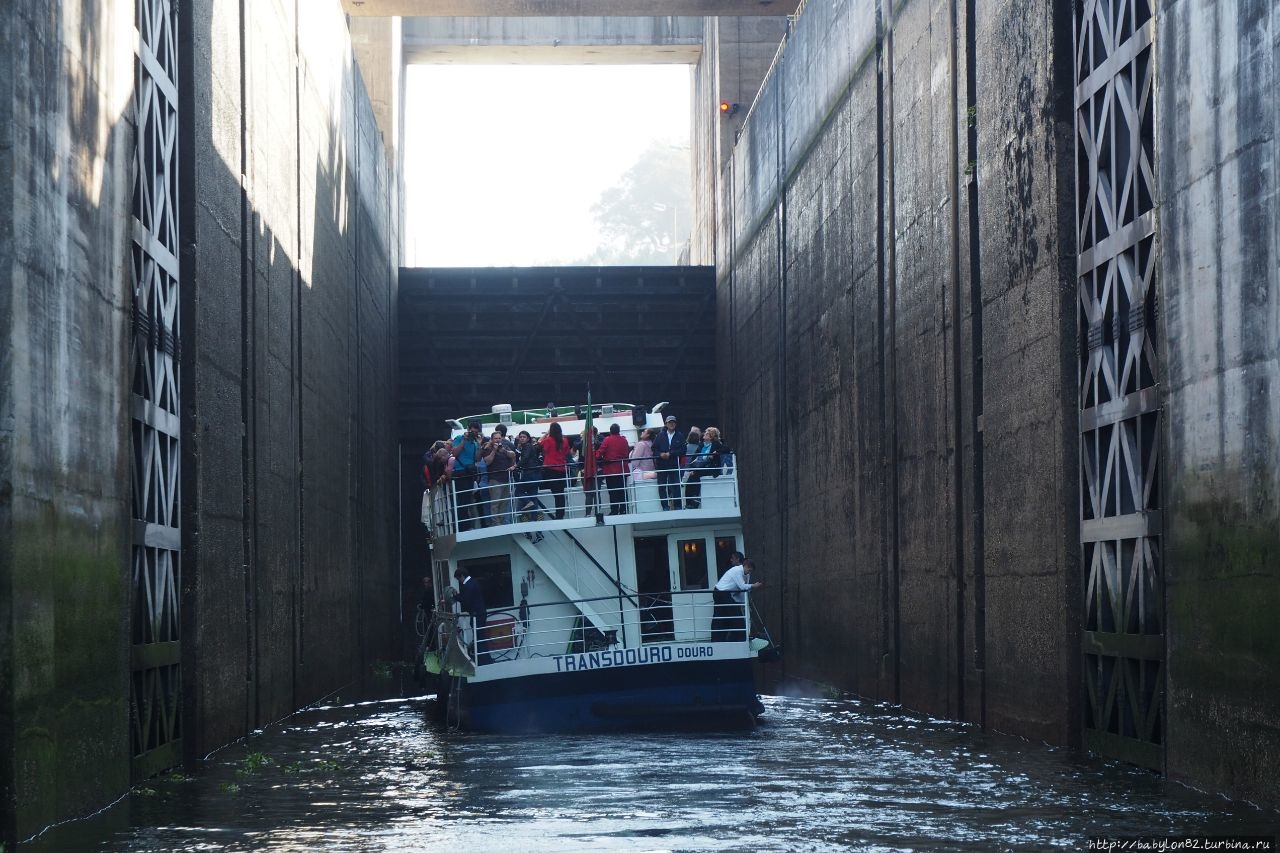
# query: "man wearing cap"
668 447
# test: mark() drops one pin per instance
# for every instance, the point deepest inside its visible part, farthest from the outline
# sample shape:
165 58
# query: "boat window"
494 574
693 563
725 545
653 574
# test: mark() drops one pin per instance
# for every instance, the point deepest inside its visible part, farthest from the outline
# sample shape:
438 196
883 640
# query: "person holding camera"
466 455
499 457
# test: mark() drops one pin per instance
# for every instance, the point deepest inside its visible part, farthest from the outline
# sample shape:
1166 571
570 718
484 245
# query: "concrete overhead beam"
552 41
566 8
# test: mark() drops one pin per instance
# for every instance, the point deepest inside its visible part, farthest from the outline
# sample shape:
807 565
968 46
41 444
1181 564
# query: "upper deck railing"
481 505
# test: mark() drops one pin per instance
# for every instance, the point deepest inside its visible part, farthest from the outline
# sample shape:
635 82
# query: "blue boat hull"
693 694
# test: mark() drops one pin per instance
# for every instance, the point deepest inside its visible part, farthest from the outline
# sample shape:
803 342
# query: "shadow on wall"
289 473
929 558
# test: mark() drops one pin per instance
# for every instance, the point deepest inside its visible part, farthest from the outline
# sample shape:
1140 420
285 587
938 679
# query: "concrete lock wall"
289 517
289 275
898 328
66 74
1218 67
953 573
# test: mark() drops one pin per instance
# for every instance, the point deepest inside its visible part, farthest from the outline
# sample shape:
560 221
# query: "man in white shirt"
729 622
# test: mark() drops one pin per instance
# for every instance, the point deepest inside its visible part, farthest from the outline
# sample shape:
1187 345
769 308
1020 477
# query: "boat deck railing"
478 506
562 628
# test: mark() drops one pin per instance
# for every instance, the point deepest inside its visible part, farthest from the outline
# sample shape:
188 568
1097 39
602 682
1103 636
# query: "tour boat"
599 620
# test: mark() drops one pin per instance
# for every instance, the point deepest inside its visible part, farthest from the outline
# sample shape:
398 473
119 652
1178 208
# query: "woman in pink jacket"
642 458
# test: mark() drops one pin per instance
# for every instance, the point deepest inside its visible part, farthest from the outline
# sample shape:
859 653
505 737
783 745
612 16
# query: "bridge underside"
562 8
552 41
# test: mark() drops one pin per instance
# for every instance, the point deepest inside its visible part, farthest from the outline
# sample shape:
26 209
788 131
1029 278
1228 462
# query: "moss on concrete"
70 665
1222 589
1223 593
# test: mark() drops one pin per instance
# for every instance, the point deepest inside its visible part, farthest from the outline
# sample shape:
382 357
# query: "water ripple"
819 775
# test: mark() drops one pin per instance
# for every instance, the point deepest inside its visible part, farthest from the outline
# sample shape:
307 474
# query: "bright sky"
503 163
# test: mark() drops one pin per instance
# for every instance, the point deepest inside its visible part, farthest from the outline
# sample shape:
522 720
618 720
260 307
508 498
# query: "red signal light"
727 108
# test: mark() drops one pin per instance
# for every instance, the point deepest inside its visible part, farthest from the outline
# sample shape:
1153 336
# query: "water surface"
818 775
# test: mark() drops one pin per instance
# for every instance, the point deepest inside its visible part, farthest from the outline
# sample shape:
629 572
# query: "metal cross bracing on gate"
1119 370
155 684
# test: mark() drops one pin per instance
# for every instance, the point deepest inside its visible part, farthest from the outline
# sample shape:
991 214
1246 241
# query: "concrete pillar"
745 50
378 46
736 56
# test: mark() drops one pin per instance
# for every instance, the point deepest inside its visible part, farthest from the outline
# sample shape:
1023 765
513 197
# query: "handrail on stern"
467 504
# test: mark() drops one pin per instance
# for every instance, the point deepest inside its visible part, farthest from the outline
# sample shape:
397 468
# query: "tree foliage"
646 217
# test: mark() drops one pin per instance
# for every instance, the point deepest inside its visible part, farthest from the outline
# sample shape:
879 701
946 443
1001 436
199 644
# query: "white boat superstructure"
598 619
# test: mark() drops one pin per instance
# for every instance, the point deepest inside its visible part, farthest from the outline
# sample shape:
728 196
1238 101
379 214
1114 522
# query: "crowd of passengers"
497 479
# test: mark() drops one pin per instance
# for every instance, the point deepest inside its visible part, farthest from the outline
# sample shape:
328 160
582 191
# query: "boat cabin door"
674 575
691 581
653 582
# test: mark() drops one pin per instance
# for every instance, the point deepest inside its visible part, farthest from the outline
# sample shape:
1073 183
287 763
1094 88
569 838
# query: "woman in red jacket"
612 456
555 458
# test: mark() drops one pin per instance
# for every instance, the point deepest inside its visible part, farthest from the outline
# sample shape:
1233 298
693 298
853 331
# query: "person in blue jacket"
466 475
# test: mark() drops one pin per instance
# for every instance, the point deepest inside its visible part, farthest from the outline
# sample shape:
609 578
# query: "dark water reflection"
820 775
